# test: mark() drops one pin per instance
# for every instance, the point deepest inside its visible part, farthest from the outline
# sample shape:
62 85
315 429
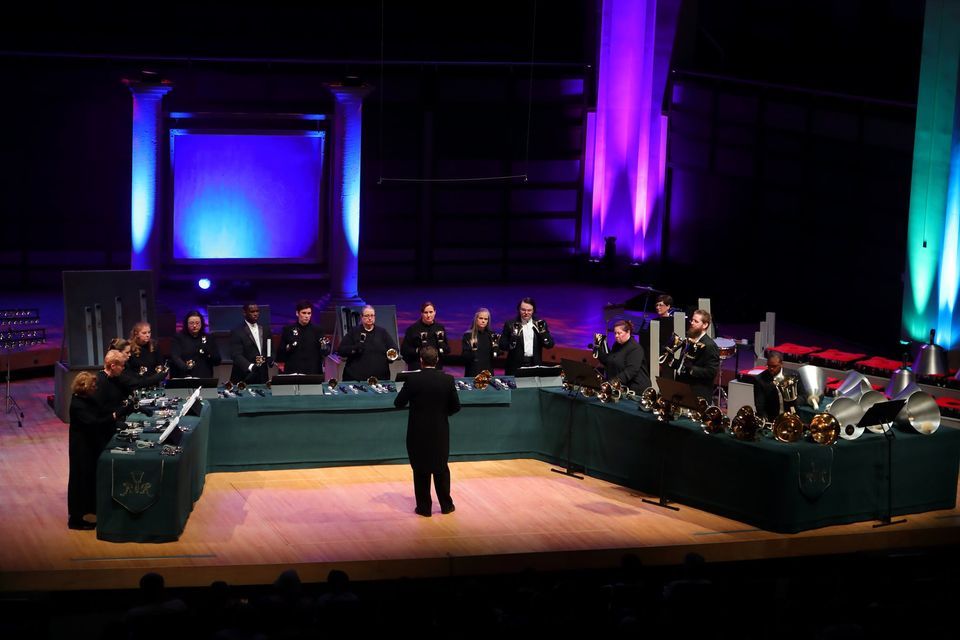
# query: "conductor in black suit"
250 348
302 345
700 360
432 398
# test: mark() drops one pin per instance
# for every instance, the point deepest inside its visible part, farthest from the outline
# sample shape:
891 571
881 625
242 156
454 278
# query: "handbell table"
767 484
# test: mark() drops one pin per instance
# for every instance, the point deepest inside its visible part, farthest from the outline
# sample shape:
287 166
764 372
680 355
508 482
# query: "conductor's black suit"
432 398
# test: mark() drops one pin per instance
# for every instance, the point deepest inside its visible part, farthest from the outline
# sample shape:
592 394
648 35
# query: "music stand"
297 384
580 375
531 376
678 393
403 376
183 387
172 433
884 413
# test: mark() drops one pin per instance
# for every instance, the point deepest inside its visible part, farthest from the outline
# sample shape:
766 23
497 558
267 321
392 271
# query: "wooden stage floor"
248 527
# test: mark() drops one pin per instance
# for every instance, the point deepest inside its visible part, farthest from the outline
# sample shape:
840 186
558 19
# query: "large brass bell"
824 429
714 420
482 380
745 425
788 427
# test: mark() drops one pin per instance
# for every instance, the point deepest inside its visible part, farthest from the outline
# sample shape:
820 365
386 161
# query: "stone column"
144 188
345 198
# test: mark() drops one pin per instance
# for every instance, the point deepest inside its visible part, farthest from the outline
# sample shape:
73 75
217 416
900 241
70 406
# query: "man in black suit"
524 338
250 348
432 398
774 392
700 361
302 345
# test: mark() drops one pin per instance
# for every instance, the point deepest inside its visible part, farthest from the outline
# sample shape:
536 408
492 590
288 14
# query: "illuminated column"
345 197
144 218
636 41
933 230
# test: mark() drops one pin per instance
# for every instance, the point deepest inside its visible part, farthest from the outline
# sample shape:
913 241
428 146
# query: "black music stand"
580 375
403 376
192 383
680 394
539 371
182 387
883 413
296 378
295 384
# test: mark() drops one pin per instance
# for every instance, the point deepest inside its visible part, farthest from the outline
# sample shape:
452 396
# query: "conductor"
432 398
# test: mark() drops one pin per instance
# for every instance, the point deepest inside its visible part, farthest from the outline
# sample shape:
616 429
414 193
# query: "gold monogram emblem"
136 485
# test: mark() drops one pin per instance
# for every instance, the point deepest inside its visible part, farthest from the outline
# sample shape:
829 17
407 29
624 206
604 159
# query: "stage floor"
249 526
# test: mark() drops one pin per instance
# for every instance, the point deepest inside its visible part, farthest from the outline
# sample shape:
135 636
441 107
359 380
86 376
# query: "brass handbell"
745 424
714 420
392 355
482 380
788 427
825 429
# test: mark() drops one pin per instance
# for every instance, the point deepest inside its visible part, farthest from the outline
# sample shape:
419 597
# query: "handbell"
921 413
824 429
932 358
866 401
900 380
788 427
853 386
392 355
848 412
714 420
813 381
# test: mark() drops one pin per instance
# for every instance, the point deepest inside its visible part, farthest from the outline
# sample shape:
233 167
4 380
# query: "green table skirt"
766 484
146 496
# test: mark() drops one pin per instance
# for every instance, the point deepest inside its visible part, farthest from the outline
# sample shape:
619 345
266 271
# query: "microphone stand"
569 470
886 521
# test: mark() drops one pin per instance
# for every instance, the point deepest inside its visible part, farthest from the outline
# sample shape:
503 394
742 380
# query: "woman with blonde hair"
479 345
145 364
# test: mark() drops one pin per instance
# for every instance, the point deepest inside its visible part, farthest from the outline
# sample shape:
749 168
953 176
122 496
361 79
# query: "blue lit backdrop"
246 196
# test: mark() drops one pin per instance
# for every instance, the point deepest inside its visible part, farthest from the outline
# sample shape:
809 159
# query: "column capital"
149 90
348 92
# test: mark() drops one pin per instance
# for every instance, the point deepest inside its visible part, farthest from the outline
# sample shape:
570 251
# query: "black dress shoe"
81 525
450 509
425 514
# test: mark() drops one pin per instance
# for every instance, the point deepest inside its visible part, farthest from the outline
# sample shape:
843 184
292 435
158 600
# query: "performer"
193 353
663 306
145 364
99 404
525 338
91 427
365 347
423 332
302 345
774 392
664 320
479 345
250 348
625 362
700 361
432 398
